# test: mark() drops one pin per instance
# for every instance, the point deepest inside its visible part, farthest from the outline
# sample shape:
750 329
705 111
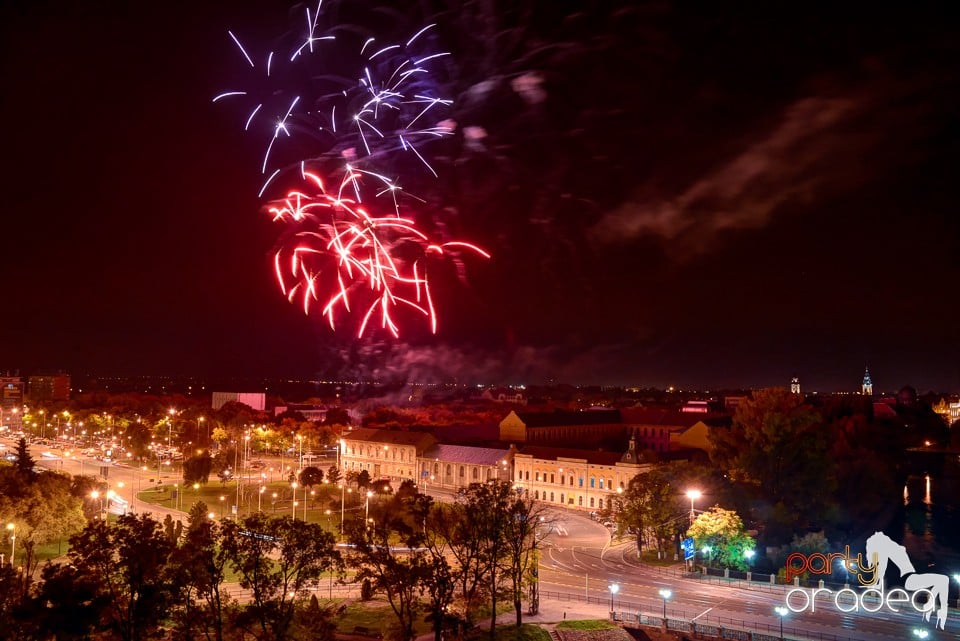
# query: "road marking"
701 614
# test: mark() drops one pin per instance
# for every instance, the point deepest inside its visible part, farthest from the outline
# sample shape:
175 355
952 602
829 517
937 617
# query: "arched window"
536 494
476 474
601 482
581 481
462 472
519 475
489 473
561 498
600 504
580 501
449 470
528 475
591 501
551 497
593 482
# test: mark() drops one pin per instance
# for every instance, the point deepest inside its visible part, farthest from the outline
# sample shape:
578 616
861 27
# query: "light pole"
263 488
293 501
693 495
614 588
781 612
665 594
223 501
13 541
366 509
343 487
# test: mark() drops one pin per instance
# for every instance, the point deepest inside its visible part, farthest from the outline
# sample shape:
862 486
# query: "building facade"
48 388
575 479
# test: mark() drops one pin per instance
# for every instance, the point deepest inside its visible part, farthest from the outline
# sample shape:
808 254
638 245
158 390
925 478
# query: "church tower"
867 389
794 385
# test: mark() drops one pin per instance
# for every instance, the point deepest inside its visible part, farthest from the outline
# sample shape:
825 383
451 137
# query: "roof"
591 456
668 418
559 418
420 440
466 454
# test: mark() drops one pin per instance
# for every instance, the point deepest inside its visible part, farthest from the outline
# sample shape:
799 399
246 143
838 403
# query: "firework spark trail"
337 256
345 253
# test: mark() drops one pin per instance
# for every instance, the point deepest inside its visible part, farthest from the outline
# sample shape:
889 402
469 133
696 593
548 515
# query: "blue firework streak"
329 98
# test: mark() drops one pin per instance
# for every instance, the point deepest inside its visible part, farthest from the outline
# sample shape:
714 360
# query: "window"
562 480
462 472
551 497
538 476
436 468
536 494
519 475
579 501
581 481
593 483
561 498
601 483
600 504
528 475
591 501
551 478
476 474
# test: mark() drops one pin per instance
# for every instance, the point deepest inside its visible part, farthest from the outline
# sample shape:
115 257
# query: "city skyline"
699 198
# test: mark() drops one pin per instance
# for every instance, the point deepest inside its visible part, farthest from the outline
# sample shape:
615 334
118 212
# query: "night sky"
720 196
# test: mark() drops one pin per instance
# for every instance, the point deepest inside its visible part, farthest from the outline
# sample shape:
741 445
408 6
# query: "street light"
13 541
920 633
665 594
706 549
749 554
693 495
366 507
782 612
614 588
263 489
293 500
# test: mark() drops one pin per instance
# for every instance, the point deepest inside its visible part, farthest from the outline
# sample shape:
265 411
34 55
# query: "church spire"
867 389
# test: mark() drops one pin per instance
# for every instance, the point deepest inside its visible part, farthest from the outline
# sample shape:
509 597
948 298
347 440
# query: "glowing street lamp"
781 612
749 554
693 495
665 594
920 633
366 507
614 588
293 500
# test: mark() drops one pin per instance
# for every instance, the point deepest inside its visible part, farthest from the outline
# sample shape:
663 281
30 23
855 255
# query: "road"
580 561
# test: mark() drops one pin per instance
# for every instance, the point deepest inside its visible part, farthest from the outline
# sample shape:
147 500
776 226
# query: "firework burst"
362 129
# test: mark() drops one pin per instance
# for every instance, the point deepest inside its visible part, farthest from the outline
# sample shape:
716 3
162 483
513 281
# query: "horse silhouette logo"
882 550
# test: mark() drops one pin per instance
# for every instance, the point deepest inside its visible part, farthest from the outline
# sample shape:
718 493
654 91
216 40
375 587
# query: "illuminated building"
867 388
48 388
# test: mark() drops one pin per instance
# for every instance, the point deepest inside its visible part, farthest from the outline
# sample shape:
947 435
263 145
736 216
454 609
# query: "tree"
121 567
43 510
311 476
197 468
24 464
649 508
277 559
363 479
778 447
526 523
722 533
333 474
397 574
197 571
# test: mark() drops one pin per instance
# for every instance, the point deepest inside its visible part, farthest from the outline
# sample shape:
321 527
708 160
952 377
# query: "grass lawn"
323 506
586 624
526 632
51 550
374 615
